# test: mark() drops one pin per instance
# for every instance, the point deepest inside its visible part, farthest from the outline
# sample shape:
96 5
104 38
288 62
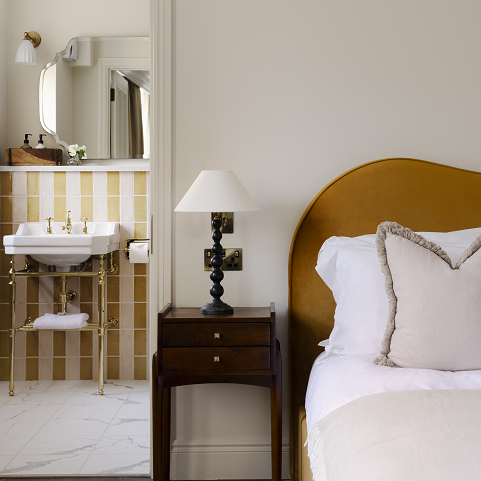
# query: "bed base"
305 472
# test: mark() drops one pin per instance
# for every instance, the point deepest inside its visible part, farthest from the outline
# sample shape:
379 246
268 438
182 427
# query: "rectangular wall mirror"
96 92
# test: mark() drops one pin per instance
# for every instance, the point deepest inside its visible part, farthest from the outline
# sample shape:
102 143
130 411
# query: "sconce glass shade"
217 191
26 54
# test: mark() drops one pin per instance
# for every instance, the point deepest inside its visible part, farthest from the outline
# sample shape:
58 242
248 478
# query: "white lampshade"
216 191
26 54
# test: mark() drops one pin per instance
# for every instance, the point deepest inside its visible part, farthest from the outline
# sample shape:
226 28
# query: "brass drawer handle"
216 359
216 335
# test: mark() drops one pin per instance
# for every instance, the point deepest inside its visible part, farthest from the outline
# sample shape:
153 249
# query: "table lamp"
216 191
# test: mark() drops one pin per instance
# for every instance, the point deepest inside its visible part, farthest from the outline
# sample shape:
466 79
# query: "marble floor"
63 428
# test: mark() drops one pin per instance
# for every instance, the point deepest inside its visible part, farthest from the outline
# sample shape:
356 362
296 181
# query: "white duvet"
338 380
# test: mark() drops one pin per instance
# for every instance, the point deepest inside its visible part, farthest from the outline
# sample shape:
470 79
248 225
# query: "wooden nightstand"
195 349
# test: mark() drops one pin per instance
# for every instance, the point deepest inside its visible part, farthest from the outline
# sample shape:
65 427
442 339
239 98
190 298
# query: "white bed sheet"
336 380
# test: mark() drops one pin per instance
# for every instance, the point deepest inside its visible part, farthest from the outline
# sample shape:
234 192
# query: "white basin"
59 248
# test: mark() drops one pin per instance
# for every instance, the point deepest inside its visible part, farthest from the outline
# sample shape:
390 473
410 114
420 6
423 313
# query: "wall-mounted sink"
59 248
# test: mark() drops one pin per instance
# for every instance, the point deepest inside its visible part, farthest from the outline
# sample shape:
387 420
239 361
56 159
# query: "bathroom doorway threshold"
78 478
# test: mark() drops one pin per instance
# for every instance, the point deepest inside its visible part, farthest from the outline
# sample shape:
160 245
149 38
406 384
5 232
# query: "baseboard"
233 458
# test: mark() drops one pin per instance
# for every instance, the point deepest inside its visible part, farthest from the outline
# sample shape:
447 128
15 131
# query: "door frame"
160 288
105 65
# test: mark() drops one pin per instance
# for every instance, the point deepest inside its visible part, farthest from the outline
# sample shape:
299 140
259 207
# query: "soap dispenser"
40 142
26 145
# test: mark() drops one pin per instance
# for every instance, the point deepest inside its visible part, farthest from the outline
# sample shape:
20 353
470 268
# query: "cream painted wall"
289 95
57 21
3 76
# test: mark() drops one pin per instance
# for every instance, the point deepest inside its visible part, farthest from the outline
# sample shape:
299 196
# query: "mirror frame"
105 65
58 55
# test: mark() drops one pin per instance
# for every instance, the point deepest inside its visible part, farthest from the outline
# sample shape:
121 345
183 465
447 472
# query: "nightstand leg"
166 435
161 425
276 418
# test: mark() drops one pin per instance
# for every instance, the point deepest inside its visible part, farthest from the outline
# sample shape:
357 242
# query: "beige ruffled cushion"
435 309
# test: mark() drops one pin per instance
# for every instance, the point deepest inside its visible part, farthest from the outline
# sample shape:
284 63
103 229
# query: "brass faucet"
84 220
49 228
68 224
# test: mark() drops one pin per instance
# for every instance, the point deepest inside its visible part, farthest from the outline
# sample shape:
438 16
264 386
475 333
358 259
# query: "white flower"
74 150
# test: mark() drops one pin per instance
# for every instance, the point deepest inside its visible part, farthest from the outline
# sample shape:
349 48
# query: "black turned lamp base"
217 308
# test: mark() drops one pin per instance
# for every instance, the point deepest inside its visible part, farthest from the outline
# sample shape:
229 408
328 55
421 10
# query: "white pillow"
350 267
435 305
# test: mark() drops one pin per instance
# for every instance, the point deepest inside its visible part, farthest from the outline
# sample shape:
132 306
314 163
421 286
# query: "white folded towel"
55 321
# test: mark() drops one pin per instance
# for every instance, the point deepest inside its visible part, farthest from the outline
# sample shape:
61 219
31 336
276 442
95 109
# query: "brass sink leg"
13 288
101 287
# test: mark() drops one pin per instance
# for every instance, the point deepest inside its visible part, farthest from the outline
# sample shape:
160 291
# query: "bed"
424 196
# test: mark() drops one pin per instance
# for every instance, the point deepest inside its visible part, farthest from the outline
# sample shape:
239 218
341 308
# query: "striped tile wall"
101 196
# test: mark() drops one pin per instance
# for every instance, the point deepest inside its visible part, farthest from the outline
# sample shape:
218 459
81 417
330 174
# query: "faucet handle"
68 216
49 228
84 220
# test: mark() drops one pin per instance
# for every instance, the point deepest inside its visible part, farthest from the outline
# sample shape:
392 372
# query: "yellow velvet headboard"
421 195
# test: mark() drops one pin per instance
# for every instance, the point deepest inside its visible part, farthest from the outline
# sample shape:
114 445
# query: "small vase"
75 160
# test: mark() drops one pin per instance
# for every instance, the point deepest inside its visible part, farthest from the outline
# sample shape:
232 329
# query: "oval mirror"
96 92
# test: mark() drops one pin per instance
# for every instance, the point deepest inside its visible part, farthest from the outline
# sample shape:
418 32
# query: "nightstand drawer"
217 334
215 358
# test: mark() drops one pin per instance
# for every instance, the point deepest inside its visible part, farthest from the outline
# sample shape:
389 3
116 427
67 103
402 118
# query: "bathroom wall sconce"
26 51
